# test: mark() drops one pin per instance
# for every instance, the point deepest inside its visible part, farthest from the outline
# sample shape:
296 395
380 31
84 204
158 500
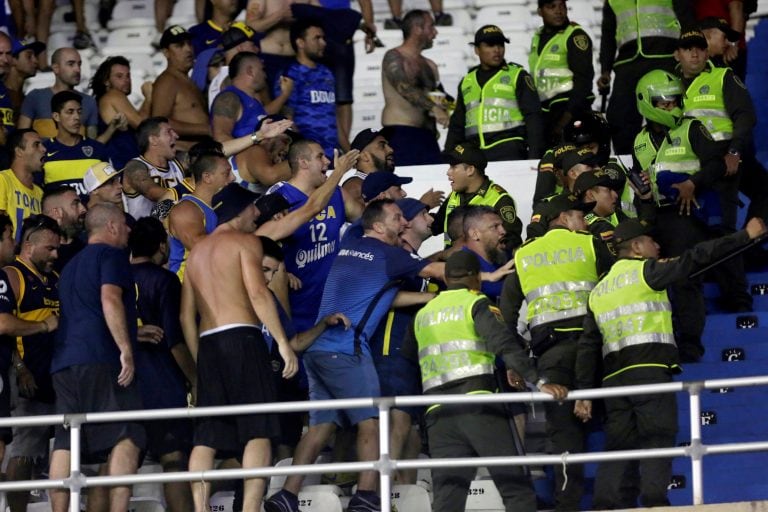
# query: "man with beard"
312 103
560 63
375 155
152 176
407 79
484 236
36 109
19 196
470 186
69 155
175 95
236 111
64 205
497 106
339 363
111 85
35 286
555 274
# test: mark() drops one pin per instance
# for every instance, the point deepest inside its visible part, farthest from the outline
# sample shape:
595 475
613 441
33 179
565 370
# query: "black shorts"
94 388
6 434
340 59
168 436
233 368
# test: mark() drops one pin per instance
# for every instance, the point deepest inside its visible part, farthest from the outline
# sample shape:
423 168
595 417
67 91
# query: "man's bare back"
215 272
407 81
176 97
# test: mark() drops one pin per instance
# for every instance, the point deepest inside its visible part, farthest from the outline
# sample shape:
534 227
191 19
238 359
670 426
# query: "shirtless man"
408 77
225 286
174 94
272 18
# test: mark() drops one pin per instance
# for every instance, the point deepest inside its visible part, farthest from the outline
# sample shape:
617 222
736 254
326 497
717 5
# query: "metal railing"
696 450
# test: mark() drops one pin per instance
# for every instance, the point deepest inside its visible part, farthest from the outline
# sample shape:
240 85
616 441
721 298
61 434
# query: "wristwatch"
734 152
255 138
541 382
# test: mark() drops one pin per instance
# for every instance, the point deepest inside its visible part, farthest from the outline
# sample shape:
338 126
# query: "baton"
752 243
501 381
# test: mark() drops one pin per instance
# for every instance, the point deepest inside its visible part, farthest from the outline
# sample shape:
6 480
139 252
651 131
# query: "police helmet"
659 85
589 127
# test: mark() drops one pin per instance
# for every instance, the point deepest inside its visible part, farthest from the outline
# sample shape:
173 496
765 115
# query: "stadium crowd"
229 241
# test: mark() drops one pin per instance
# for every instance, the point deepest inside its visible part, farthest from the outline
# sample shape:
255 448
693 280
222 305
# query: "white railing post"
696 450
74 464
385 465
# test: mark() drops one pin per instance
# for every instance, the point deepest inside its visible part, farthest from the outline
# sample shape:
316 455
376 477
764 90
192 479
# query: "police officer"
720 100
560 63
637 36
470 186
497 106
459 335
598 187
629 328
684 166
554 274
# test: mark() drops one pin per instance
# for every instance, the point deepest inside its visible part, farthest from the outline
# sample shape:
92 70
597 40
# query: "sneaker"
83 40
443 19
393 24
369 503
282 501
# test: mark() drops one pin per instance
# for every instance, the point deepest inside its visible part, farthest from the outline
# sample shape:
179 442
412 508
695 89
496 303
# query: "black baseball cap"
377 182
629 229
468 154
230 201
174 34
236 34
367 136
270 205
490 34
572 157
563 203
590 179
715 22
692 39
462 264
410 207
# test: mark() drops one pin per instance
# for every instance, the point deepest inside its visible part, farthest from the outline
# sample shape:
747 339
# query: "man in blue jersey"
193 217
35 286
484 235
309 252
163 362
69 155
399 375
363 282
207 34
93 364
312 104
236 111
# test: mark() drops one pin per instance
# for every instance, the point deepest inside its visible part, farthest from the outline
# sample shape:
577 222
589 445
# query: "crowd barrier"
696 450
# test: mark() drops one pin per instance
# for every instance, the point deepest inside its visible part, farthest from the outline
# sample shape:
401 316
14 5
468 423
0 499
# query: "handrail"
384 465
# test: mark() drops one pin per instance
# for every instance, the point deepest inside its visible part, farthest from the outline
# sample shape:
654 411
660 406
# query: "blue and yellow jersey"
7 120
66 165
38 298
178 257
18 201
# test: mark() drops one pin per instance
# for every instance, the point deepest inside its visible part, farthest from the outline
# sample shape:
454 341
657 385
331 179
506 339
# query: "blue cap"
377 182
410 207
230 201
28 43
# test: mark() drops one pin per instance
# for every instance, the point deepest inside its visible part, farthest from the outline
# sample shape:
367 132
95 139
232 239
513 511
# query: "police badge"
581 41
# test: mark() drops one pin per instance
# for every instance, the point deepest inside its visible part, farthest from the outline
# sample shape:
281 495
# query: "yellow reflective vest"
492 108
704 100
636 19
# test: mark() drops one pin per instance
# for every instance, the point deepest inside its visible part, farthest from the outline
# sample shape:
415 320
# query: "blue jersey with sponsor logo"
309 252
363 268
253 112
313 103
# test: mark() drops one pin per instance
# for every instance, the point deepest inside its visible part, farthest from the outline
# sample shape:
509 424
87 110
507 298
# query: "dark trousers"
633 423
475 431
565 431
622 115
510 150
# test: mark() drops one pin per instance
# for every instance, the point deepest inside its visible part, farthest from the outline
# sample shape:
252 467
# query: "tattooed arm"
403 74
136 178
226 111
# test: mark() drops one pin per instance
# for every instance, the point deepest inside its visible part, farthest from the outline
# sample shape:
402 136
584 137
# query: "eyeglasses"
35 223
